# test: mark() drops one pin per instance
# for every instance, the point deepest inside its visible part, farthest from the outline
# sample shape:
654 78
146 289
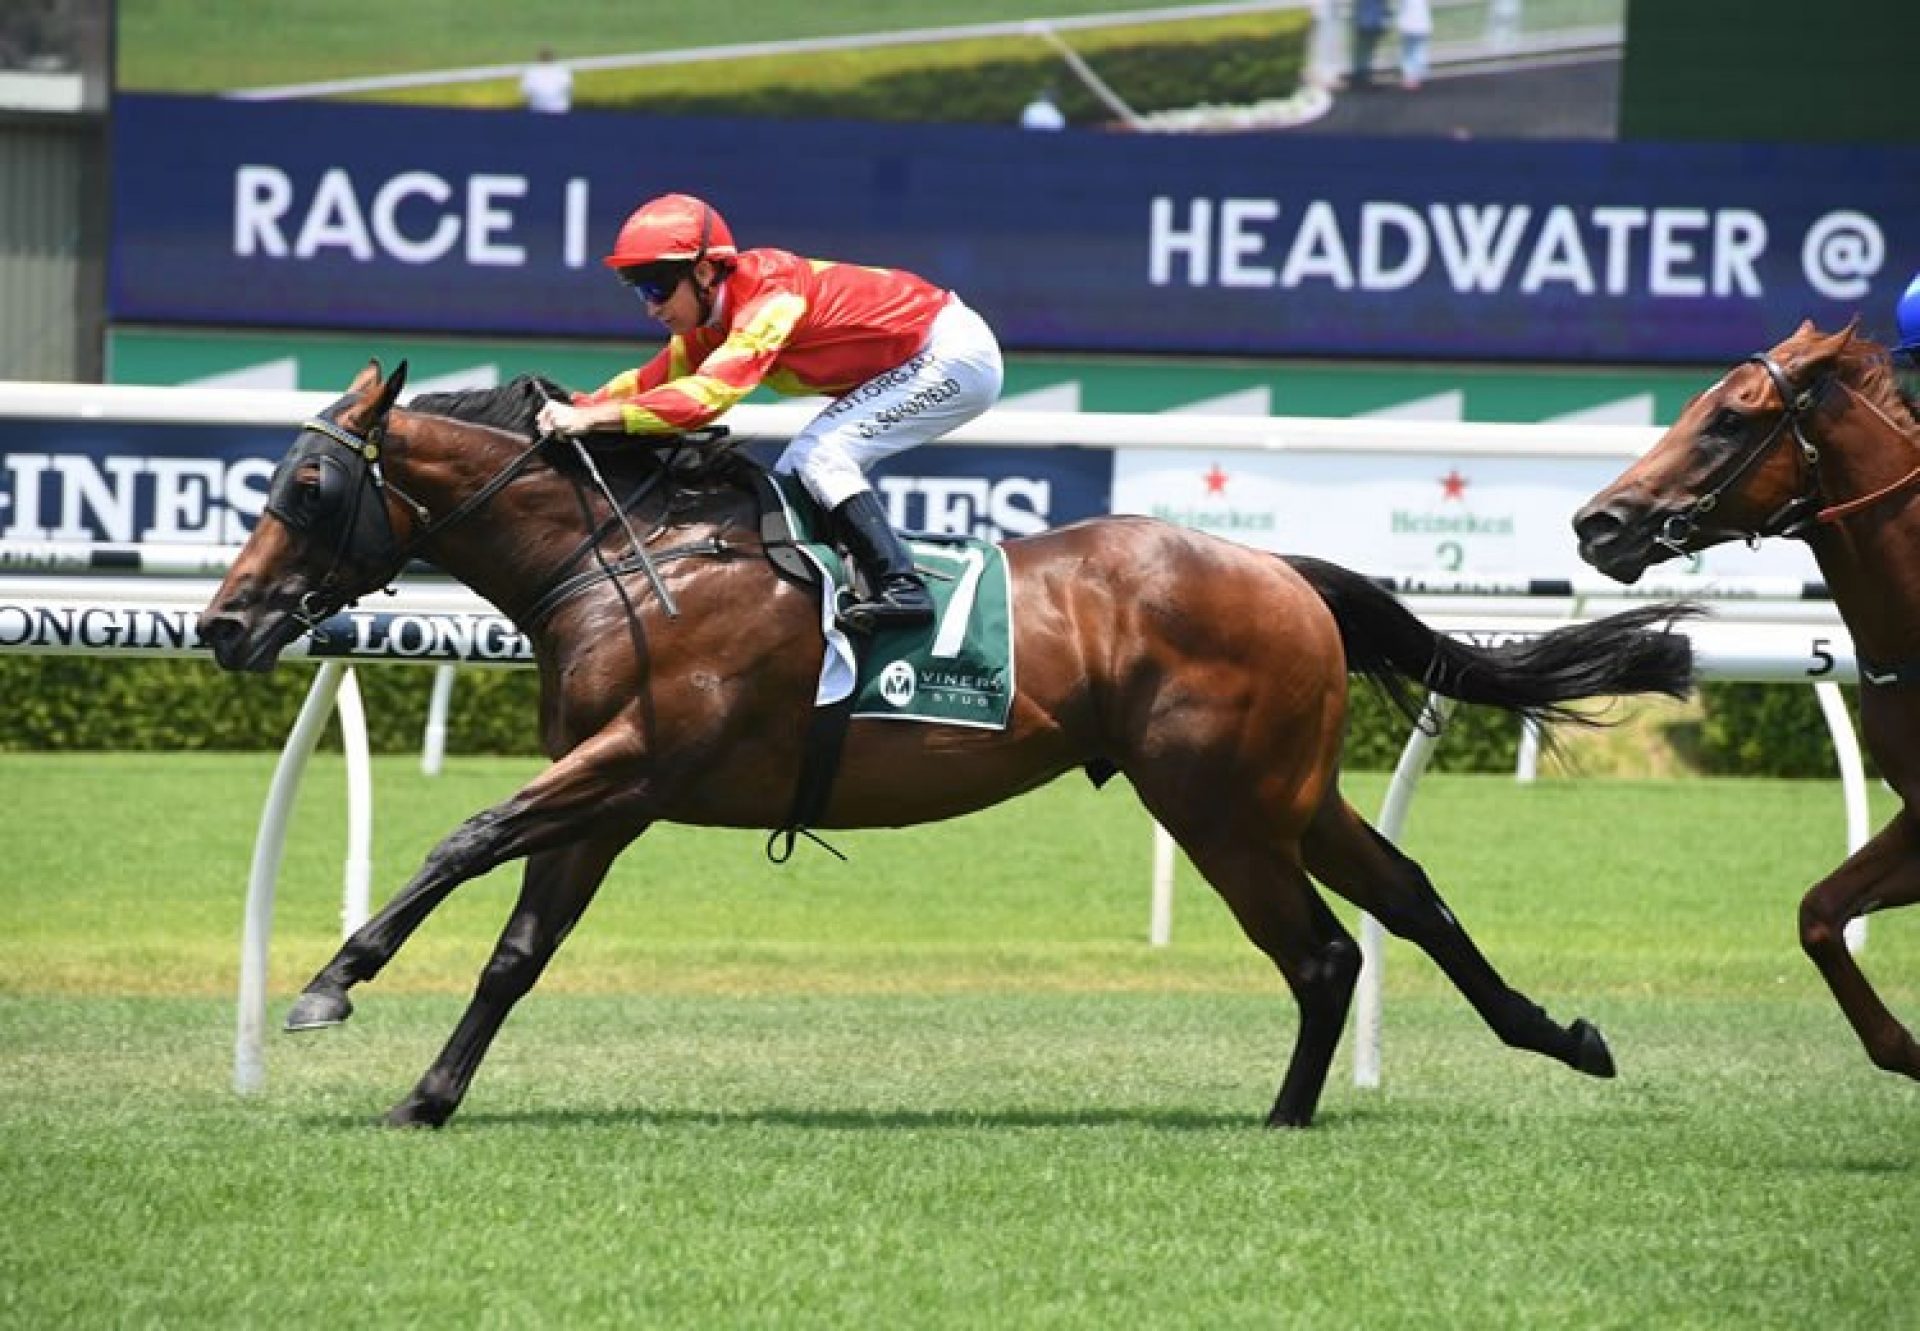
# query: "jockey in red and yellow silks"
904 361
801 326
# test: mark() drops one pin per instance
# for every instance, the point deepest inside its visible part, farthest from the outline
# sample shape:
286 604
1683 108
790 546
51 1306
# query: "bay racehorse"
1212 675
1813 441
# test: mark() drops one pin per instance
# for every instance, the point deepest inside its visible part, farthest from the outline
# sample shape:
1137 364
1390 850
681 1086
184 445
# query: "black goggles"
656 282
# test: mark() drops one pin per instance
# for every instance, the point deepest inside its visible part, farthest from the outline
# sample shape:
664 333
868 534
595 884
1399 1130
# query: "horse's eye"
308 496
1726 422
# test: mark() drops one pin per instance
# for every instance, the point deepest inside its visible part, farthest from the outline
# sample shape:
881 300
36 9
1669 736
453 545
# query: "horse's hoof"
411 1113
1590 1052
1289 1119
318 1008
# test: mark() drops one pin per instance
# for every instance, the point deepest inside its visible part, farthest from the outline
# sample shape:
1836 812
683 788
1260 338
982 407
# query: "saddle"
960 681
777 536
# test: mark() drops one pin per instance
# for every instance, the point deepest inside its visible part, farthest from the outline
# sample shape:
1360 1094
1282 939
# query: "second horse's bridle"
1792 518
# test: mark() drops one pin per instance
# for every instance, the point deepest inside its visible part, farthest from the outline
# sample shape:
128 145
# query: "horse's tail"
1631 652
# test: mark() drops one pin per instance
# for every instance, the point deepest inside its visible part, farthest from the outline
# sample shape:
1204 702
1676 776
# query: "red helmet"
673 226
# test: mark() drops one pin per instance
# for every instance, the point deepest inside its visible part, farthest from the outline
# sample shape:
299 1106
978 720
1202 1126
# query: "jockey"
903 361
1907 320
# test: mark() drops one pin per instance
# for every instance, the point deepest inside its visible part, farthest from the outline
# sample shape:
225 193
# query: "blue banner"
151 483
321 215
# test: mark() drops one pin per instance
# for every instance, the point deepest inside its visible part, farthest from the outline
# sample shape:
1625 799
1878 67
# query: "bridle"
1792 518
1805 510
348 459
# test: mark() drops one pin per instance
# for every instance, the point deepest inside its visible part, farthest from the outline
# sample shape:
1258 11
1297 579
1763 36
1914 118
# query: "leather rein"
339 444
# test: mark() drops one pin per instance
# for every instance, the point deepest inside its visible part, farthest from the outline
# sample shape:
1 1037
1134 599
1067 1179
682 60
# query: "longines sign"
164 630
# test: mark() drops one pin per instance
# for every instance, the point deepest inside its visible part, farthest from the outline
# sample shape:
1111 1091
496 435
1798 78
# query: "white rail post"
249 1046
1853 783
433 745
1160 915
358 888
1373 939
1526 763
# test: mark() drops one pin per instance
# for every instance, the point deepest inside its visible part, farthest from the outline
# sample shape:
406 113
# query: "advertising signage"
320 215
131 482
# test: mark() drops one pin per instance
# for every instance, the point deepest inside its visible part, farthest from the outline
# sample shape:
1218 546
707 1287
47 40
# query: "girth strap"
819 765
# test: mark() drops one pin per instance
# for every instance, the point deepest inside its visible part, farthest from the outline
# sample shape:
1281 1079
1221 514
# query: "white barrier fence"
142 601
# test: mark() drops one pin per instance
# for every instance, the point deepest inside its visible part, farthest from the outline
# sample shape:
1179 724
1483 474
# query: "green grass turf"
189 46
944 1085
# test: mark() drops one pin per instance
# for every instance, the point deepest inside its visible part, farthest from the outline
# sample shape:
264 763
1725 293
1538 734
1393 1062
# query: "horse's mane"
1871 371
511 407
514 405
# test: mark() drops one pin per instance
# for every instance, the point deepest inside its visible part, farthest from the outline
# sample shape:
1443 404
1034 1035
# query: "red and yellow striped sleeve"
669 394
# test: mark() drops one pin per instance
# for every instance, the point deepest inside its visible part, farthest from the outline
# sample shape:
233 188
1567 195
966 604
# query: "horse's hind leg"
1881 875
1276 904
1353 859
555 891
1322 984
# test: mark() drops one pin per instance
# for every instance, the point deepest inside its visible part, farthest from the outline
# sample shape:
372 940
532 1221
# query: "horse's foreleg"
1882 874
555 892
1353 859
590 786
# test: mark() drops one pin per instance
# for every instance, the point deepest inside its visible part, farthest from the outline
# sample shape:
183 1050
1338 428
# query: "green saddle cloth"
959 671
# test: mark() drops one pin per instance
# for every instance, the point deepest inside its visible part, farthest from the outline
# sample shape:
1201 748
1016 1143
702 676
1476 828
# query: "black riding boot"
897 597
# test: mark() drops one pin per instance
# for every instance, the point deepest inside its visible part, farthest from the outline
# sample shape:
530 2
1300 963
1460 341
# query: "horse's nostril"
220 628
1595 524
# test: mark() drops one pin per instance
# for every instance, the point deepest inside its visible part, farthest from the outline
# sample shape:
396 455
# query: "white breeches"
949 381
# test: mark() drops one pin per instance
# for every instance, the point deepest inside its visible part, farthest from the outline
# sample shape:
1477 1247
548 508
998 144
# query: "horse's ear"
390 393
367 378
1819 357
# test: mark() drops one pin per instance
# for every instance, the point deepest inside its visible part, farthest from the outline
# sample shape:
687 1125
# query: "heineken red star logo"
1453 485
1216 480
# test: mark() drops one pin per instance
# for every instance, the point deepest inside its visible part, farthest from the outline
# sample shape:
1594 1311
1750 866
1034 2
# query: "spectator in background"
1042 112
547 85
1416 30
1369 26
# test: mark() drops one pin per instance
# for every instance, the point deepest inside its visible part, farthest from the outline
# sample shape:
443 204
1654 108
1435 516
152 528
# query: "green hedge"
1230 60
1767 730
1151 68
85 703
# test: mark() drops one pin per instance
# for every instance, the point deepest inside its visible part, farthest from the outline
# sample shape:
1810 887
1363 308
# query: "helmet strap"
704 290
708 292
